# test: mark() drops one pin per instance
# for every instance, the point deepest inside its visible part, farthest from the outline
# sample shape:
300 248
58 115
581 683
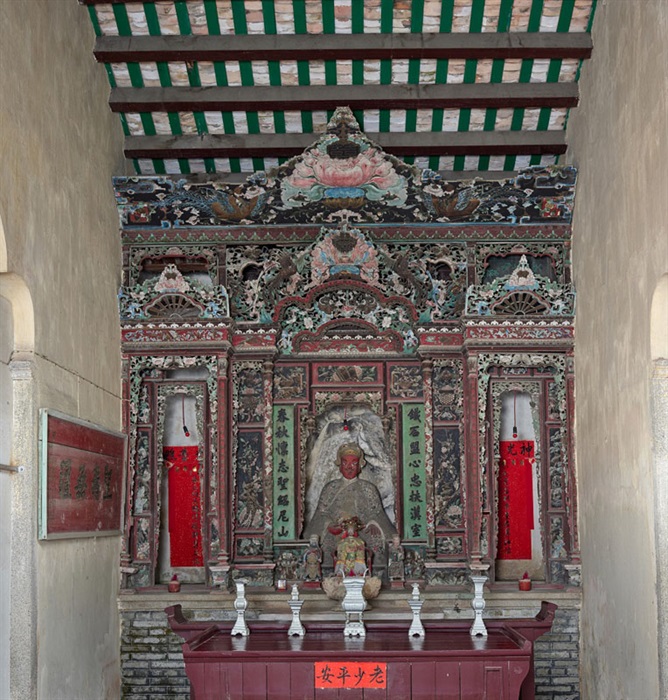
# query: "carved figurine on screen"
349 494
286 566
313 561
395 561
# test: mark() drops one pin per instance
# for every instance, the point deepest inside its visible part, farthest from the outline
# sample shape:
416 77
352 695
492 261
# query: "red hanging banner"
515 499
185 509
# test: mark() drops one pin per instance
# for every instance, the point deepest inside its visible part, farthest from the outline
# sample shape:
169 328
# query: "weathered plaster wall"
6 335
619 140
60 146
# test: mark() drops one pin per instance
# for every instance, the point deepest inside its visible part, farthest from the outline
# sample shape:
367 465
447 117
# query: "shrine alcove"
384 320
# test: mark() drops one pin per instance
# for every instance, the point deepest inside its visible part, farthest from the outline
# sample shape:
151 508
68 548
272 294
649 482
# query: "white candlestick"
478 628
416 628
296 627
240 605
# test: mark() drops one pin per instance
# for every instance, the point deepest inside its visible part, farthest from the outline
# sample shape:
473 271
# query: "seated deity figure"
351 550
349 496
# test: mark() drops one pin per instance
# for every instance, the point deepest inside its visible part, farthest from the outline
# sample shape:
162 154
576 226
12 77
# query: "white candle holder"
416 628
478 628
240 605
296 627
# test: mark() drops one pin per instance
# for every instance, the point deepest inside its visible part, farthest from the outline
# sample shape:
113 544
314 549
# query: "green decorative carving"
414 477
493 260
283 456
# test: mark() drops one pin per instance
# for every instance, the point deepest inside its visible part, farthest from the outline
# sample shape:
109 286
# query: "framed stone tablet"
81 478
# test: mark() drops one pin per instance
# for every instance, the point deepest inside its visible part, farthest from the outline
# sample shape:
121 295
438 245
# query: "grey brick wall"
557 659
152 663
151 658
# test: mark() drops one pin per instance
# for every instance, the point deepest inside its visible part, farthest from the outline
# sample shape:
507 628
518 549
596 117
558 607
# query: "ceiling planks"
233 86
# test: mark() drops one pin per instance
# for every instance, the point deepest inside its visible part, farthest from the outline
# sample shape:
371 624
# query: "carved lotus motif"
368 175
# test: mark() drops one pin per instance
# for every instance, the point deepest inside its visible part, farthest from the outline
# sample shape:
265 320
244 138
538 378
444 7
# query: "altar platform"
446 663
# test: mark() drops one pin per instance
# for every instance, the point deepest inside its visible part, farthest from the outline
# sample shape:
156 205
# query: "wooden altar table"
447 663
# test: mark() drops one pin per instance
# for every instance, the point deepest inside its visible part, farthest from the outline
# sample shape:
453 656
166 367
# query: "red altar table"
447 663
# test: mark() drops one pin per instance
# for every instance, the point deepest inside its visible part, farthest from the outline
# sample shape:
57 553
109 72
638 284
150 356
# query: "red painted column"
473 468
571 490
427 375
126 555
221 507
268 477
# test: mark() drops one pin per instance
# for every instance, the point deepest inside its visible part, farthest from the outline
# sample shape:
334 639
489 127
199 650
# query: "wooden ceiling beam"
312 47
327 97
400 144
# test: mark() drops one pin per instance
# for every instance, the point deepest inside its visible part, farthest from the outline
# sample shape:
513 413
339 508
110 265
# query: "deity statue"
351 557
395 559
349 496
313 560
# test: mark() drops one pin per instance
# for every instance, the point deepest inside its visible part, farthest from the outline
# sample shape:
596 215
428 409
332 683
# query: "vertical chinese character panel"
284 472
413 471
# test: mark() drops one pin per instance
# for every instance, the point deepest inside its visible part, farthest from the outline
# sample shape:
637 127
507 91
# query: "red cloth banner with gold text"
515 499
185 508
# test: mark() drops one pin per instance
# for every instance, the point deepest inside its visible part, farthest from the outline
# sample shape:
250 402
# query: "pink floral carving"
367 168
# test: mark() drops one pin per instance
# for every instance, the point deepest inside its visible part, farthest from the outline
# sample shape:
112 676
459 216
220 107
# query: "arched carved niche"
164 393
556 366
141 529
499 389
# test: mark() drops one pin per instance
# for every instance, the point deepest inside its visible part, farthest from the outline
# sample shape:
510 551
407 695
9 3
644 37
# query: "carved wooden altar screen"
346 290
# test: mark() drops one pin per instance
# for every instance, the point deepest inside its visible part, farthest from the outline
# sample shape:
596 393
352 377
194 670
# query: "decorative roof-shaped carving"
345 177
522 276
522 293
172 297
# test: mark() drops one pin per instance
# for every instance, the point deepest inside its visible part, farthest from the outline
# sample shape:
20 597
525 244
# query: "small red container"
525 584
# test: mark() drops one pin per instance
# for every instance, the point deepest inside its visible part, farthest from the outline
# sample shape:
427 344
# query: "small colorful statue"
313 561
351 559
395 559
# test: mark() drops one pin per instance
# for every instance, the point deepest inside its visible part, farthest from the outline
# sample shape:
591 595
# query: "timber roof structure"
464 87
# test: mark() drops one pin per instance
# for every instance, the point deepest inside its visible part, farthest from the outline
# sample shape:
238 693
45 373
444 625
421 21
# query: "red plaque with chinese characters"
350 674
81 478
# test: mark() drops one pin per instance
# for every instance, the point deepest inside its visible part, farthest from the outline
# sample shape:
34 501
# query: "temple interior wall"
60 145
6 335
619 142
